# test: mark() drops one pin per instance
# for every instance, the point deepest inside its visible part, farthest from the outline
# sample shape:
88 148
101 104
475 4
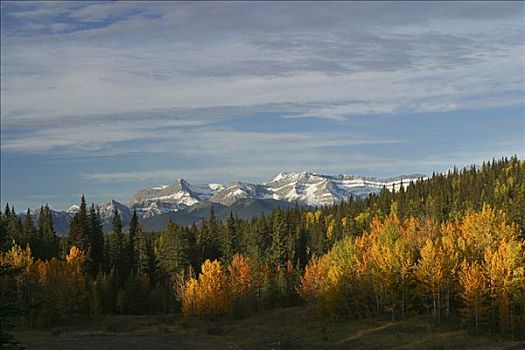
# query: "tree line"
450 245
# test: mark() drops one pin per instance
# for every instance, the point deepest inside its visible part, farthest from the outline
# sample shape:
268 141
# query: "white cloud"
140 63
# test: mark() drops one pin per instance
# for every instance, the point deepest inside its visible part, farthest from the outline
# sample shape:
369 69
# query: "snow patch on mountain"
303 187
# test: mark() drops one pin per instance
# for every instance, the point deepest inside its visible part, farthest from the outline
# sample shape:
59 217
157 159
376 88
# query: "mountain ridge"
181 200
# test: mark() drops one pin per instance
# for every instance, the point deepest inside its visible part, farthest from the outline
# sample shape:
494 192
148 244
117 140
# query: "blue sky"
104 98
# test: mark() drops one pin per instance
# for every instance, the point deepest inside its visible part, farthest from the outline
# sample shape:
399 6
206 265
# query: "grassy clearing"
292 328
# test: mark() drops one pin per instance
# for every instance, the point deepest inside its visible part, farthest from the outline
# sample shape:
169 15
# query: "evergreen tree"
79 227
30 234
279 235
134 230
173 248
14 227
96 243
6 236
208 238
229 239
194 250
147 260
119 251
49 247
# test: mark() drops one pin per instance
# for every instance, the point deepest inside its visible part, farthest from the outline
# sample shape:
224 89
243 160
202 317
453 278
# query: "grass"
292 328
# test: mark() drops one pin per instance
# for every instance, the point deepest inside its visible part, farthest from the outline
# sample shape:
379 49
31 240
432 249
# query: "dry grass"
293 328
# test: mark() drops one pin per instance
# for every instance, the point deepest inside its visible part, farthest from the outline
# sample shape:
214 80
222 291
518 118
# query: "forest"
451 247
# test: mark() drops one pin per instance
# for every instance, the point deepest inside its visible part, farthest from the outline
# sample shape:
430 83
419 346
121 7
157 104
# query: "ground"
292 328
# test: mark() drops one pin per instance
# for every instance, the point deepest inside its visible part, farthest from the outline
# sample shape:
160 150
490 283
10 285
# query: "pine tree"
134 230
229 240
208 238
257 237
79 227
147 260
6 238
30 234
49 241
173 248
14 227
279 234
194 250
96 243
119 251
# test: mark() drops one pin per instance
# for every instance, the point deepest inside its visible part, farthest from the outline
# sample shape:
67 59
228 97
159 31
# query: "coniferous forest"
451 247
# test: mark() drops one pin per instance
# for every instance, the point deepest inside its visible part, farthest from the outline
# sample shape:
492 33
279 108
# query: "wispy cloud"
140 58
225 88
355 164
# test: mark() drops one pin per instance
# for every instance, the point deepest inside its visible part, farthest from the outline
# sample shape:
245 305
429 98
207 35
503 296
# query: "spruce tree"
30 235
194 250
14 227
79 227
147 260
49 240
228 240
119 251
96 243
173 248
208 238
6 236
134 230
279 234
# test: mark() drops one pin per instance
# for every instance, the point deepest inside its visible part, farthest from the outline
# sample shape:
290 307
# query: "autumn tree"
241 284
474 293
505 269
209 294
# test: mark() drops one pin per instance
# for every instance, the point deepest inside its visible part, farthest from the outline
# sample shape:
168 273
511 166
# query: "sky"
105 98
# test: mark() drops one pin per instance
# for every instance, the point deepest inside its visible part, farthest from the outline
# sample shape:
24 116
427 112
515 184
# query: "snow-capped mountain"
240 190
302 187
169 198
316 190
184 199
107 211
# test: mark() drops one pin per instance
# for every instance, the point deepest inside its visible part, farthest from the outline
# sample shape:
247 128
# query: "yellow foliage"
189 297
482 230
361 218
505 269
384 264
75 257
312 218
209 294
474 292
18 258
314 277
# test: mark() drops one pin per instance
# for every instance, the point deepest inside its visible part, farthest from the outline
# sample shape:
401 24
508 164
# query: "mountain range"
185 203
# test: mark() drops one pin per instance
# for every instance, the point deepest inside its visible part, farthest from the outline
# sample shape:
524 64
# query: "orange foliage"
241 280
209 294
